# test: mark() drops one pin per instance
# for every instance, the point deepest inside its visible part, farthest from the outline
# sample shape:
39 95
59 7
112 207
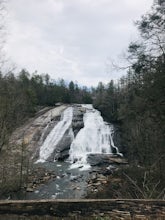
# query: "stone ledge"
65 208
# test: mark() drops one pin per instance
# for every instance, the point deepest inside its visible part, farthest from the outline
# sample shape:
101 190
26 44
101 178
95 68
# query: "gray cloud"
71 39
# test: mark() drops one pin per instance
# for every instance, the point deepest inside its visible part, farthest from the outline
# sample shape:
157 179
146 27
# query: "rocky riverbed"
57 180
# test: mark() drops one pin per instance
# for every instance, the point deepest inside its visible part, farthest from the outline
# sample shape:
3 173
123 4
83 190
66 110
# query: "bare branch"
134 183
154 188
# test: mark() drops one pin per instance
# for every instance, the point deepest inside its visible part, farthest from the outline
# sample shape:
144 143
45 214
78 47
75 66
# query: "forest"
136 103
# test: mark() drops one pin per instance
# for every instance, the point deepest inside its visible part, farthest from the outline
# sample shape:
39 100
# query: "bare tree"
2 31
152 30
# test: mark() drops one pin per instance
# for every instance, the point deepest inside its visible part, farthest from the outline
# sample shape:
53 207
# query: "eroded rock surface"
77 122
34 132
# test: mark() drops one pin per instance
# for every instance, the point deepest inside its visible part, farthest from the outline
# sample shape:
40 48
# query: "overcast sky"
72 39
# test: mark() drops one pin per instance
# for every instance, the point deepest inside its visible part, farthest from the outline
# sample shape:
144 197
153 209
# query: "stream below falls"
68 184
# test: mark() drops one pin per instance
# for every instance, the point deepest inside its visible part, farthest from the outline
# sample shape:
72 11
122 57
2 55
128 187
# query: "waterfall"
112 142
94 137
56 135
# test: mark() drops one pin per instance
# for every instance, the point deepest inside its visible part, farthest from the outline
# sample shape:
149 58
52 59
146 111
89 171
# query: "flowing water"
56 135
68 184
94 138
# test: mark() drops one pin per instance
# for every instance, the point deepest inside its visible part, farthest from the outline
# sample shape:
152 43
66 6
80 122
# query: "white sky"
72 39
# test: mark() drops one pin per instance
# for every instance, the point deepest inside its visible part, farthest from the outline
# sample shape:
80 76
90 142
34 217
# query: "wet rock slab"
61 151
105 159
77 121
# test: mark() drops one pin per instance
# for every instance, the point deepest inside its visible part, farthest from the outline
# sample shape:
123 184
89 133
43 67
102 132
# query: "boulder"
104 159
29 190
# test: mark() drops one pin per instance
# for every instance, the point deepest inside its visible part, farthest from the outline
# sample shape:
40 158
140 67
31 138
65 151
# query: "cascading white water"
112 142
94 137
56 135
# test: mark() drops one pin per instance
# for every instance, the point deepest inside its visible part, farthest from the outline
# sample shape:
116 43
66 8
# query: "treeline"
137 101
21 96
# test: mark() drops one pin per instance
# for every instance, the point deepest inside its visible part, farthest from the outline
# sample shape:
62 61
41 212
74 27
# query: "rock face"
61 151
33 133
77 122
